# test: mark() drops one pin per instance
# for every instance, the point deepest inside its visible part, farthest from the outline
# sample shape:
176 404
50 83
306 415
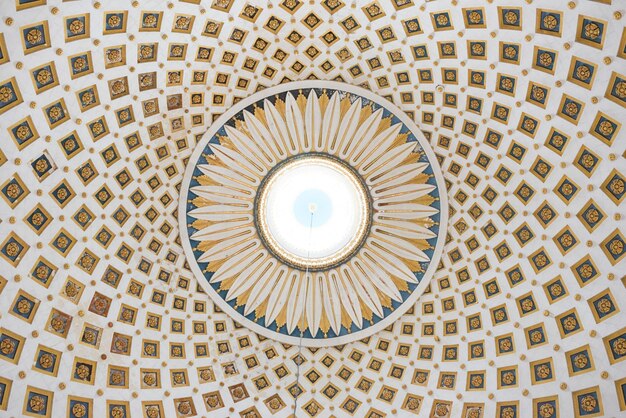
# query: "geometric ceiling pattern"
101 104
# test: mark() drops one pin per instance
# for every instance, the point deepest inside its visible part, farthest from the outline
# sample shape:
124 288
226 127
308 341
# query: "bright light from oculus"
313 212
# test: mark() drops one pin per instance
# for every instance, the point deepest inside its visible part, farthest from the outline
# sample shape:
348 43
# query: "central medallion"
312 212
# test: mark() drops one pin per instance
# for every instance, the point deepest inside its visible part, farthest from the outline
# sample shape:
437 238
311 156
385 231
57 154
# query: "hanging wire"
306 291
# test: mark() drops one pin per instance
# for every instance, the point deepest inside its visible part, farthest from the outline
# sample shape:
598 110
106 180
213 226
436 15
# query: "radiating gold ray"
225 141
200 224
303 323
215 265
243 298
418 243
200 202
384 124
412 158
205 180
418 179
363 115
366 312
425 200
402 285
366 112
384 299
344 105
324 99
280 105
212 159
346 321
412 264
232 178
261 310
226 283
301 101
324 323
399 140
281 318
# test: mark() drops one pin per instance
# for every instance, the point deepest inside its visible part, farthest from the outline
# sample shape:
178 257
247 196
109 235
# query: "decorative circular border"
239 317
299 262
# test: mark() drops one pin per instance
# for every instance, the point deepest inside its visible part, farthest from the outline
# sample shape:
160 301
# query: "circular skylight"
313 212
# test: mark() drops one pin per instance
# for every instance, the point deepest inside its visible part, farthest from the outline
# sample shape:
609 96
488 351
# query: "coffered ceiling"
102 103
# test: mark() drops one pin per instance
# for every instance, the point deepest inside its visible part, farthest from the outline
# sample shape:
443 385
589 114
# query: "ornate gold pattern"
485 160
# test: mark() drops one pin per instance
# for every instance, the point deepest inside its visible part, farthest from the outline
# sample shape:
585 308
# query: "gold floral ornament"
37 403
79 64
6 94
58 324
581 361
184 407
117 412
79 410
87 98
583 72
478 49
150 21
538 93
508 412
605 305
118 87
23 306
546 410
544 371
617 186
546 59
12 249
152 412
253 272
441 410
571 109
55 113
536 336
591 30
474 413
44 76
442 20
550 22
620 89
114 21
113 55
7 346
510 52
616 247
510 18
619 346
145 51
34 36
23 131
606 127
475 17
76 26
588 403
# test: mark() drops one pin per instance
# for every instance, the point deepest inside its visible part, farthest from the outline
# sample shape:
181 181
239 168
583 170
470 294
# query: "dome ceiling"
103 103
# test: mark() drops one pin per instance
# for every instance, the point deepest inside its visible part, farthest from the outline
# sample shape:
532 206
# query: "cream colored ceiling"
535 180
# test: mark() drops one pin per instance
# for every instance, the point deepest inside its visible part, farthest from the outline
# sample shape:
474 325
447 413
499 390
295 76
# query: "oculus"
313 212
